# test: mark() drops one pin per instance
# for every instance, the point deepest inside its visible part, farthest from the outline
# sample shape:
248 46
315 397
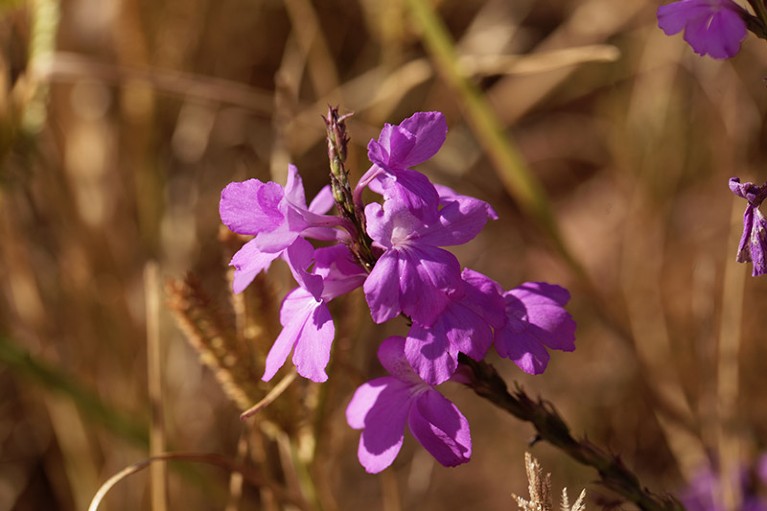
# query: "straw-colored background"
122 121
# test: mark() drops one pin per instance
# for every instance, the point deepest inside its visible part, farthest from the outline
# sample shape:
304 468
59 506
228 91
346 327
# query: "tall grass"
604 145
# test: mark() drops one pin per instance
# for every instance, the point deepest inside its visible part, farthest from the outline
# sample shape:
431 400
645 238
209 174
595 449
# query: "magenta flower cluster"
711 27
451 309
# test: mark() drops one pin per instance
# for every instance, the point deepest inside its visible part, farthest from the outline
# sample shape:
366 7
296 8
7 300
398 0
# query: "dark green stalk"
550 427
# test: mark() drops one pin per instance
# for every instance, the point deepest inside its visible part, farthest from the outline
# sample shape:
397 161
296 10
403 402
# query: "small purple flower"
753 242
466 325
278 218
308 328
711 27
537 320
704 493
382 407
414 275
398 148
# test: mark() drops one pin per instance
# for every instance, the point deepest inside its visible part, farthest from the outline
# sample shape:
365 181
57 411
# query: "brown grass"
121 123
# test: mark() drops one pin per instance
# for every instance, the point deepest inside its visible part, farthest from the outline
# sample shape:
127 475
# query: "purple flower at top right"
753 242
711 27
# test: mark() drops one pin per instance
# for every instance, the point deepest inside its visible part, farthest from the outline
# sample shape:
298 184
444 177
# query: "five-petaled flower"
382 407
711 27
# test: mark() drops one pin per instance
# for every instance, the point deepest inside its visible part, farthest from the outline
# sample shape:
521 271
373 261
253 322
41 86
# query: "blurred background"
121 121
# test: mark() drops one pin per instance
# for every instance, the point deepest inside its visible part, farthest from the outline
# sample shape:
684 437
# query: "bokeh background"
121 121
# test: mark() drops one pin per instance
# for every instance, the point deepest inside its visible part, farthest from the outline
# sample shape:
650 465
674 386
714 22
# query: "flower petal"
380 407
294 188
429 130
391 354
299 257
427 276
544 311
251 207
248 262
323 201
523 349
409 189
459 222
297 308
382 288
440 428
312 351
711 27
430 354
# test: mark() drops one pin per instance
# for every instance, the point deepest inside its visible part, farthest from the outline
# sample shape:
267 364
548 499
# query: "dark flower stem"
758 24
338 140
550 427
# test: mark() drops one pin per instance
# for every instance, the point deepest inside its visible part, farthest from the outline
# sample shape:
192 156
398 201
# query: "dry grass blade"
579 504
249 474
538 62
70 67
538 486
157 439
271 396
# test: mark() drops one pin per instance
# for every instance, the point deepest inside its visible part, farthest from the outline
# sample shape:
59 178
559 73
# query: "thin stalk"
550 427
761 12
523 186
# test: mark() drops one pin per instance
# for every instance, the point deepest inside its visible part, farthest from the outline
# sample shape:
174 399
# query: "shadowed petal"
296 310
412 190
382 288
441 429
536 319
380 407
459 222
391 354
545 314
523 349
299 258
427 275
430 353
312 352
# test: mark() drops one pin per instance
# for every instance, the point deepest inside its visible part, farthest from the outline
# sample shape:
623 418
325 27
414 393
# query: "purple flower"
704 492
398 148
711 27
414 275
466 325
753 242
537 320
308 328
382 407
278 218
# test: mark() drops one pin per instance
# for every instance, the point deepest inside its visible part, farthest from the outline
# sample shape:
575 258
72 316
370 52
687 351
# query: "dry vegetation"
121 121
